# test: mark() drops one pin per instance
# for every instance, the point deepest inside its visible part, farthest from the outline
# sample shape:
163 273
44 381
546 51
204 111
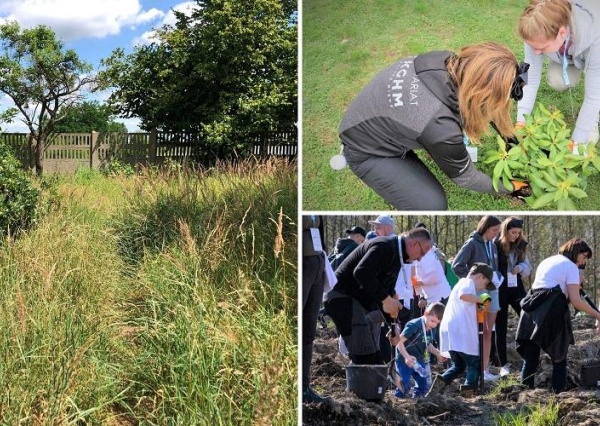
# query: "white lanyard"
490 254
426 339
565 64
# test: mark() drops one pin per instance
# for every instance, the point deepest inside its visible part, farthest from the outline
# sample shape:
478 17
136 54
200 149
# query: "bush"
543 158
18 197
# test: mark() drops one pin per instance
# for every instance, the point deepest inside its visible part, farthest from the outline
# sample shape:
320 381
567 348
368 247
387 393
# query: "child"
458 329
414 346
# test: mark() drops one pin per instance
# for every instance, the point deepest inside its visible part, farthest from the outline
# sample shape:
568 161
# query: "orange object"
414 281
482 310
571 145
519 185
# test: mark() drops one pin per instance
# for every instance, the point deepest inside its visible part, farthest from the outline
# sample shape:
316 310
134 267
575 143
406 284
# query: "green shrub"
116 167
544 159
18 196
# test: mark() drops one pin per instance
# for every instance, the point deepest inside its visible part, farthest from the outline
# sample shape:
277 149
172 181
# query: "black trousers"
508 297
531 360
313 278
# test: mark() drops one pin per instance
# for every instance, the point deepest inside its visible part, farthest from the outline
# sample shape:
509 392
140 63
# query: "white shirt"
556 270
403 285
435 285
458 329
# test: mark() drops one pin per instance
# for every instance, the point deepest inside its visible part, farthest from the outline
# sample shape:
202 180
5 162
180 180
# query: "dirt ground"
578 405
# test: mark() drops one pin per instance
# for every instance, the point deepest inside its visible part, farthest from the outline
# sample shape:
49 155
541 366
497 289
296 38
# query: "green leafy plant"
18 196
544 159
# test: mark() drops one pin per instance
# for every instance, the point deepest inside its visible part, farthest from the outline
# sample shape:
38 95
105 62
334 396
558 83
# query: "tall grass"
214 295
164 298
59 287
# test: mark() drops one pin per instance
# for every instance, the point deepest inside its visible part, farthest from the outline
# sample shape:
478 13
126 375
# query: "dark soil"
578 405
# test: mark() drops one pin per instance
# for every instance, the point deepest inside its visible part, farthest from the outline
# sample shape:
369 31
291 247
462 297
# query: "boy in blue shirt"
414 346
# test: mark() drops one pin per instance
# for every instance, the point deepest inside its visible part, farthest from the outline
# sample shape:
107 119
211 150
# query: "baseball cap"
484 268
356 230
383 220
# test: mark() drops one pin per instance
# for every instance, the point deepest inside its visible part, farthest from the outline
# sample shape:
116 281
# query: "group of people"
399 280
442 101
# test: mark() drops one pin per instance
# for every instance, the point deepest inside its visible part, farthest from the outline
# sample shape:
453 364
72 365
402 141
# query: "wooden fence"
66 152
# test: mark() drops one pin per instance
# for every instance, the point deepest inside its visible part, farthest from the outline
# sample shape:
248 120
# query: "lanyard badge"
565 63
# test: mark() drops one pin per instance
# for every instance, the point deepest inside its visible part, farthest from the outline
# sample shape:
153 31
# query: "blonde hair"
484 74
544 18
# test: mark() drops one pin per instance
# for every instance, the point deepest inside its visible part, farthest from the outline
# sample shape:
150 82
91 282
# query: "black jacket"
370 272
503 266
546 320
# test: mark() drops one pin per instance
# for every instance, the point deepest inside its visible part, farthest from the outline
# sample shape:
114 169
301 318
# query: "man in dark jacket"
364 294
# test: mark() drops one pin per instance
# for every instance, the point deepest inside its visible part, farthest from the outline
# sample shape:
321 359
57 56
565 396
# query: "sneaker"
438 386
309 396
505 370
489 377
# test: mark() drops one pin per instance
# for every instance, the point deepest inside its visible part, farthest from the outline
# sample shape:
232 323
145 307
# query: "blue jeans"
460 363
406 373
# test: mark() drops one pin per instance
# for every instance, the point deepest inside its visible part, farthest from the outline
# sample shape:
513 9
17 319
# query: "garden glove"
520 189
484 299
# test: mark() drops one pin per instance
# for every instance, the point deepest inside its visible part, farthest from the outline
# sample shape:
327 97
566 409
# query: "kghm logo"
398 85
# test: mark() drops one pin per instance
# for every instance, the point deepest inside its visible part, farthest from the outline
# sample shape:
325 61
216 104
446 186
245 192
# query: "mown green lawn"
346 43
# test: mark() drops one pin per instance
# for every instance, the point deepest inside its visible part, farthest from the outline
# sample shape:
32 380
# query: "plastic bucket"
367 381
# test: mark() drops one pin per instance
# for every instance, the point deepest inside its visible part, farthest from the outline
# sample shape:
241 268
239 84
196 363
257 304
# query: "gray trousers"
360 329
405 181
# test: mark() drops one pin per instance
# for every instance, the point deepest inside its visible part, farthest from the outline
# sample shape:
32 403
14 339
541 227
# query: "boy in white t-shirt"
458 329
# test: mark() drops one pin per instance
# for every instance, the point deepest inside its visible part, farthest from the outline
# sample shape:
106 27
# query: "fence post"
94 157
152 146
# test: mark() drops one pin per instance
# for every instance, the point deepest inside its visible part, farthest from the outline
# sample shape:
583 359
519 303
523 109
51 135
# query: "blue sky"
92 28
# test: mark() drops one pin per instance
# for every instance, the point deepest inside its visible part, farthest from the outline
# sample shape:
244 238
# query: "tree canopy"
41 79
87 117
226 69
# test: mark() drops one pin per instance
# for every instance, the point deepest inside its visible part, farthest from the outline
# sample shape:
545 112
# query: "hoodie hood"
432 71
343 243
476 236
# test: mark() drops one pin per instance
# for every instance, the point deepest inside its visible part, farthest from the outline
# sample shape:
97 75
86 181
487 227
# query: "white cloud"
72 20
169 19
185 8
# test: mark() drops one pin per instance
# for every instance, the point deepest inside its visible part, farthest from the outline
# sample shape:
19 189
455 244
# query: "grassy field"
166 298
346 43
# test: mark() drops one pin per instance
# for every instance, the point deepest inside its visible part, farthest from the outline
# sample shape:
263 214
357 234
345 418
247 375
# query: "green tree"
225 70
86 117
41 79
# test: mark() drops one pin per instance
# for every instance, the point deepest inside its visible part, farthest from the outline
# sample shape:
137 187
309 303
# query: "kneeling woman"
435 101
545 322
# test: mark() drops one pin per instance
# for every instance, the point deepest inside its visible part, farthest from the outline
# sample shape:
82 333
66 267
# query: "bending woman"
545 322
568 34
434 102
